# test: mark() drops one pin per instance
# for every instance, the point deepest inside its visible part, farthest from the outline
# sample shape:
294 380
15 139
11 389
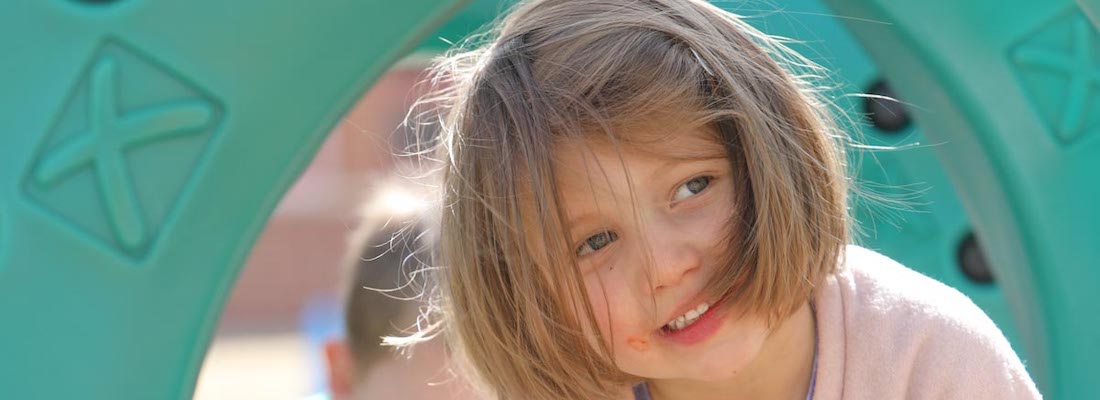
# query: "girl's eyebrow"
575 223
669 166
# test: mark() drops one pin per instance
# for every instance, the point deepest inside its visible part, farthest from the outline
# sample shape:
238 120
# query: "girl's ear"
341 369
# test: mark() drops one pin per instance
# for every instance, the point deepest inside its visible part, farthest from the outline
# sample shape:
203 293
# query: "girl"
646 199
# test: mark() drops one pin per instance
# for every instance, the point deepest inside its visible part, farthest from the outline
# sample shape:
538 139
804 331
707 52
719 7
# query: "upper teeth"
688 318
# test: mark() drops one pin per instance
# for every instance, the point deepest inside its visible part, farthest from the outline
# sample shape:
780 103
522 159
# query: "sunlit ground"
268 366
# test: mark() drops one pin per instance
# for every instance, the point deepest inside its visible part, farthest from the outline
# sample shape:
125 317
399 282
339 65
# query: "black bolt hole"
972 260
886 115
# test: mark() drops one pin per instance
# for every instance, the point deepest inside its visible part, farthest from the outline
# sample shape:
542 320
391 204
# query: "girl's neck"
782 370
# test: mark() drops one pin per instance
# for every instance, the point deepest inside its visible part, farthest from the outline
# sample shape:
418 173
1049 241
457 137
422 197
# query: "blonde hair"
558 70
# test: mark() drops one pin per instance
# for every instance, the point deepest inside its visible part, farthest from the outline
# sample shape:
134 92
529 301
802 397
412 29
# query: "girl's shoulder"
880 321
879 292
888 286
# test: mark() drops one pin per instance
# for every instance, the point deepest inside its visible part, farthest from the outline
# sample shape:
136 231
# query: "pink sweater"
888 332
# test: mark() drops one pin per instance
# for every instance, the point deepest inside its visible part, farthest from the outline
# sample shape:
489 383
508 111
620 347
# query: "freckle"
638 344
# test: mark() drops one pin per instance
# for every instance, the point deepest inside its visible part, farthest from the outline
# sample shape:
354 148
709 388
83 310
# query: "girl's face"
649 227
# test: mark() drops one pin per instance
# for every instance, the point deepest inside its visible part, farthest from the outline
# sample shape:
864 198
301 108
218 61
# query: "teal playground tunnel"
145 143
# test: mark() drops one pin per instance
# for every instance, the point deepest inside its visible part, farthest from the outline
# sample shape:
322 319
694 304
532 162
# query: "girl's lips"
700 330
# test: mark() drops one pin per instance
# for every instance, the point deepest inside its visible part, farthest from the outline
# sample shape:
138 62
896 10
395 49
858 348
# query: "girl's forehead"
641 142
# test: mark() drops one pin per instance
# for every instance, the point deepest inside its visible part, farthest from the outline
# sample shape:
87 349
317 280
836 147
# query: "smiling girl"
647 199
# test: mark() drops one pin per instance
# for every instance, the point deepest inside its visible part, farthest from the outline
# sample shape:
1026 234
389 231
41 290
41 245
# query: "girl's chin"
691 374
723 357
714 364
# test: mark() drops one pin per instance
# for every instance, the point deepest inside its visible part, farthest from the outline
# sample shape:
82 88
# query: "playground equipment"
145 143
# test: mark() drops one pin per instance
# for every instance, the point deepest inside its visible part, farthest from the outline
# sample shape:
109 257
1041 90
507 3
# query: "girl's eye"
691 188
596 242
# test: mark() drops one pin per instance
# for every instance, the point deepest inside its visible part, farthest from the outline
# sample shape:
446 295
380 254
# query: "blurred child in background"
379 301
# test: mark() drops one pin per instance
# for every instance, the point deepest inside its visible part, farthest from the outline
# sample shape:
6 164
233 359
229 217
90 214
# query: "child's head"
610 165
379 301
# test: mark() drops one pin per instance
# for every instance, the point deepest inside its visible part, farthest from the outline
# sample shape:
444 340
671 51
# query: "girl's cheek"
610 305
600 311
615 310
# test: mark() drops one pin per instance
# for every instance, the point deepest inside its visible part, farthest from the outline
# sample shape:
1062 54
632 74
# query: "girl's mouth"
694 326
688 318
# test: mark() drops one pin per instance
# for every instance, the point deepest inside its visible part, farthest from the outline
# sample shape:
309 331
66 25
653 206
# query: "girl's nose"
674 256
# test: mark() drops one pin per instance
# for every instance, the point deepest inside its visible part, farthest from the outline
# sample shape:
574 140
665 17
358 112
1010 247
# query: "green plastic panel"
144 145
